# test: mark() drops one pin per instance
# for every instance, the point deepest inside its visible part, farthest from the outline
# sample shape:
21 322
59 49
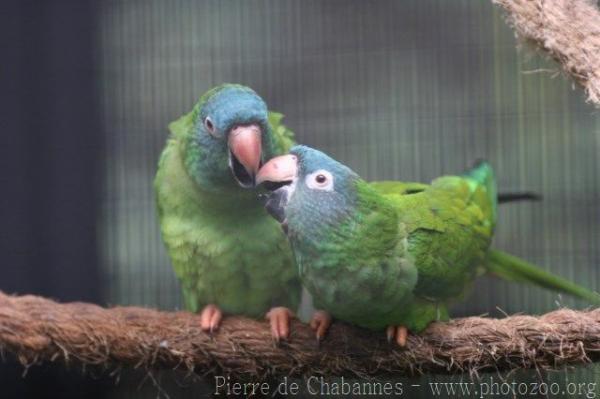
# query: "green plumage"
392 253
224 248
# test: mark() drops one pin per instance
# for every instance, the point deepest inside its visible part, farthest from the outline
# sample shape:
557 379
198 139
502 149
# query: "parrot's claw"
320 322
210 318
398 334
279 318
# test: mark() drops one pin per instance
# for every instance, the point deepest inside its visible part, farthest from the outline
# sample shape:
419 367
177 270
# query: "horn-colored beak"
245 144
278 169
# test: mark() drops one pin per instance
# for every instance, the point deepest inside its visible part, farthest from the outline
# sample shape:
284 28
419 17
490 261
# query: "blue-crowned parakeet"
390 254
228 254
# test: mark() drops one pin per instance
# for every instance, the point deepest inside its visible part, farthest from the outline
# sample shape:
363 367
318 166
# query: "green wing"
449 225
390 187
283 137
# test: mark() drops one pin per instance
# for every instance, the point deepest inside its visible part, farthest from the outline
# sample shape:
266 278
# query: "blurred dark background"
396 89
50 170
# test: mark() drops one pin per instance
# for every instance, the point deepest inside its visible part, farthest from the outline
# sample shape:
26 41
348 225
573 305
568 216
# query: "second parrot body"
390 253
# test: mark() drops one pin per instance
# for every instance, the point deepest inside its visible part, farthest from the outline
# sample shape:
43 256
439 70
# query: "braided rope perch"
35 329
567 30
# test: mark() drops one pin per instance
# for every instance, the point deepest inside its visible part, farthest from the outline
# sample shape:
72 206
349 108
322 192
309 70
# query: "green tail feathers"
515 269
510 267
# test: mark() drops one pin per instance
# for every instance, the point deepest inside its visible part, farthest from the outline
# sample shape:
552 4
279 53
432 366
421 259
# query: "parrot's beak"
245 153
278 175
282 169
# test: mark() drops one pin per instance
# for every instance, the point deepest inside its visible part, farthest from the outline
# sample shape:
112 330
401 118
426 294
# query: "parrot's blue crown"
232 105
311 160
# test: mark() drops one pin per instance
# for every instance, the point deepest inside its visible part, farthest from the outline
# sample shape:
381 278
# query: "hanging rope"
566 30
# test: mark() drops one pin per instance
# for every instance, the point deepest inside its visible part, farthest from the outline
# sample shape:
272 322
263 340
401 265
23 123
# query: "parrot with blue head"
391 255
229 256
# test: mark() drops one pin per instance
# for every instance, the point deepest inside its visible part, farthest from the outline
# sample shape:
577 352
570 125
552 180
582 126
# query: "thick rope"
35 329
567 30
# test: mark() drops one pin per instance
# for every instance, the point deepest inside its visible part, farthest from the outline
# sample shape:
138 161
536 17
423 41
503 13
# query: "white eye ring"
210 127
320 180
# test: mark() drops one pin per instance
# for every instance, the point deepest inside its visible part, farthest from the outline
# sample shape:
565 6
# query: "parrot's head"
309 189
228 138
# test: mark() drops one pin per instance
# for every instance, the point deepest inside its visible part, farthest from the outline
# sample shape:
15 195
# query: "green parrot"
390 254
228 254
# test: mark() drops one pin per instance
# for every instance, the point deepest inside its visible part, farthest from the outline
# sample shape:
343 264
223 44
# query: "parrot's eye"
320 180
210 127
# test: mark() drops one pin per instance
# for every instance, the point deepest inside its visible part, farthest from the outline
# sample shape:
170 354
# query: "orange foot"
279 318
320 322
398 334
210 318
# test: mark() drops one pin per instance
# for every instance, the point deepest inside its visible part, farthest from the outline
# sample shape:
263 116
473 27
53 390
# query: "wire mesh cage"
405 91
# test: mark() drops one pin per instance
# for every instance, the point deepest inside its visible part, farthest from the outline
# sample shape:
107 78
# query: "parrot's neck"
187 197
241 202
213 180
367 221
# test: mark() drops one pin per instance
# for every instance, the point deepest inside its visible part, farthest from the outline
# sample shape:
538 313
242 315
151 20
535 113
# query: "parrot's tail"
504 198
515 269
